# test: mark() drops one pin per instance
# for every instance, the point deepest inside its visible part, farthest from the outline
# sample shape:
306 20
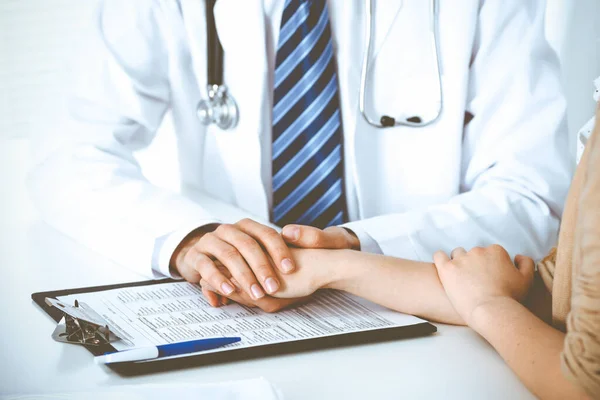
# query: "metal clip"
81 325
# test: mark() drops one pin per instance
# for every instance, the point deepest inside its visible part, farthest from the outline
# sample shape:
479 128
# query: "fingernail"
226 288
271 285
257 292
291 232
287 265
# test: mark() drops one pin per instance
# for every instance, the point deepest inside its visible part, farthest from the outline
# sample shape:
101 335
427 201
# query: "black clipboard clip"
80 325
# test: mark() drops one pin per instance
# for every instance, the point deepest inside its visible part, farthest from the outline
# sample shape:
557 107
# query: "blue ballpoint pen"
165 350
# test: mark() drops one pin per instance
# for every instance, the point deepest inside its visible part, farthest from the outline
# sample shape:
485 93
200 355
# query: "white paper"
177 312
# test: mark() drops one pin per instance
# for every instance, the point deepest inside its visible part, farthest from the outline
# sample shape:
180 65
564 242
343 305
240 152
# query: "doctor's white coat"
499 178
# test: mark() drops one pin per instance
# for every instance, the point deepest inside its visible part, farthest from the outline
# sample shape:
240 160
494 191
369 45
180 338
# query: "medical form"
177 311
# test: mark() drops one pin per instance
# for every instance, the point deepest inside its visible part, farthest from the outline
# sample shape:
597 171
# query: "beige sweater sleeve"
581 354
555 270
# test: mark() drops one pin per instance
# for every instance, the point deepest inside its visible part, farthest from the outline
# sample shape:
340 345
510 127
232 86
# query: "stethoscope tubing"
433 32
221 109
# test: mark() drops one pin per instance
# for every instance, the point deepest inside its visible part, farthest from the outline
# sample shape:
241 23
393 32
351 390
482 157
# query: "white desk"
454 363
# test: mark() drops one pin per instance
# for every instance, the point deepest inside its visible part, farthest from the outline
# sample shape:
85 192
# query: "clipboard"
312 344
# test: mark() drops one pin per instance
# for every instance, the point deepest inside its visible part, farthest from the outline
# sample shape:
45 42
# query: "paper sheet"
176 312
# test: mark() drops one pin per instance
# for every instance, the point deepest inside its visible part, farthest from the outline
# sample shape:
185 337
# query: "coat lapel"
386 13
194 17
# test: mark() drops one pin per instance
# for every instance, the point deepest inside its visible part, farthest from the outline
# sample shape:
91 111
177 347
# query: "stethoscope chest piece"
219 108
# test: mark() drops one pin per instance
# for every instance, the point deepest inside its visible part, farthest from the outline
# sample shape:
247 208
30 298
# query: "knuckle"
224 229
211 276
313 239
273 242
496 248
190 257
230 254
244 222
246 279
189 274
207 237
247 242
204 266
262 269
477 250
270 234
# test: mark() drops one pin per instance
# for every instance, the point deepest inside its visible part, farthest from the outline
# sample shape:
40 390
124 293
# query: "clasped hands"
254 265
251 263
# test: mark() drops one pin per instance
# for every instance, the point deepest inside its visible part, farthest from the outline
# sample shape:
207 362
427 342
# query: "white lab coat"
502 178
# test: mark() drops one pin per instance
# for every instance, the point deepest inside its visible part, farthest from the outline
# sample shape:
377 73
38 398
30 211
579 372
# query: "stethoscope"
220 108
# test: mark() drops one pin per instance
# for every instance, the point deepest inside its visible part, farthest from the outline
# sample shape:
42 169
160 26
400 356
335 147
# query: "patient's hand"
482 275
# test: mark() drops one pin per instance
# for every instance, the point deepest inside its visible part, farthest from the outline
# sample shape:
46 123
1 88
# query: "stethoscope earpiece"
387 121
414 120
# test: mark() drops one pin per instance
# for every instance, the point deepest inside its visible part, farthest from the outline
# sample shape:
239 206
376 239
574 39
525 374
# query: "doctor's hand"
309 276
308 237
481 276
251 253
268 303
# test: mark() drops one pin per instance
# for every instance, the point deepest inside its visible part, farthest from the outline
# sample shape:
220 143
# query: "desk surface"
454 363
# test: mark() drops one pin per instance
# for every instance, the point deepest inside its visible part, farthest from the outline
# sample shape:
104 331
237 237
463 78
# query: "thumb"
526 266
315 238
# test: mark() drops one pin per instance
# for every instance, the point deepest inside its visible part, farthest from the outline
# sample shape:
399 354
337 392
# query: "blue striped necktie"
307 132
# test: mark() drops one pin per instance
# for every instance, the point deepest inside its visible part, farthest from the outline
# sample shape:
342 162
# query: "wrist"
489 313
340 269
325 267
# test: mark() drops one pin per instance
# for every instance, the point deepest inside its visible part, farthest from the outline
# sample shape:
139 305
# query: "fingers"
206 268
459 251
271 304
526 266
272 242
188 271
231 258
267 303
214 299
238 296
255 257
440 258
333 237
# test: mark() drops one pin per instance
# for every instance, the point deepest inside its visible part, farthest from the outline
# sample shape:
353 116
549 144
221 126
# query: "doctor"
489 166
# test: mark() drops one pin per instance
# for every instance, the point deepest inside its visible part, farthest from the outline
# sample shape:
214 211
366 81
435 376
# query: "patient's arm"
407 286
